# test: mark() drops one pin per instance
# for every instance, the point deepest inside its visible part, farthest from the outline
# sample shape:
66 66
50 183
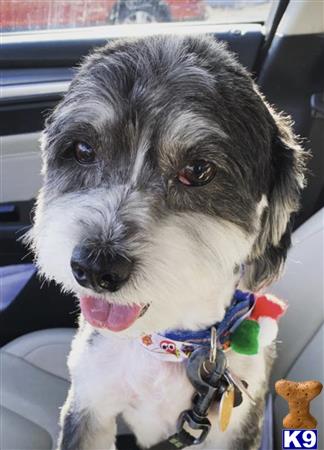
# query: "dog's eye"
83 153
197 173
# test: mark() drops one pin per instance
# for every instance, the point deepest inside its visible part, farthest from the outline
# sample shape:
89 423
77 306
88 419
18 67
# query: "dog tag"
226 407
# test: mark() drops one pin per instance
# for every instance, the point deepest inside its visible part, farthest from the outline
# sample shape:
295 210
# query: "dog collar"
249 323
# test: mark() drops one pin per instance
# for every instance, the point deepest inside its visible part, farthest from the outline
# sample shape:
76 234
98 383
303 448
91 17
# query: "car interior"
284 51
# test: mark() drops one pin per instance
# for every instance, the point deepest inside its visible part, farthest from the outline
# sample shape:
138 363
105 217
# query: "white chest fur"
113 375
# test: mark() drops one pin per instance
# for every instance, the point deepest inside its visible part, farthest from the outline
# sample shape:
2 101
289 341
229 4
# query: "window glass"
28 15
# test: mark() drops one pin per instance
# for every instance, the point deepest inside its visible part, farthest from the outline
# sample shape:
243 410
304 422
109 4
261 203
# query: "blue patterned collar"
241 305
249 322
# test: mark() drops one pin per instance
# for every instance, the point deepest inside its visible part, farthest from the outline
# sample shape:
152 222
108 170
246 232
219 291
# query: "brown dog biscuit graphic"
299 395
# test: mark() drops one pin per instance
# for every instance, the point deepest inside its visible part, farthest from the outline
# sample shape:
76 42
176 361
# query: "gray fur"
75 428
81 430
249 437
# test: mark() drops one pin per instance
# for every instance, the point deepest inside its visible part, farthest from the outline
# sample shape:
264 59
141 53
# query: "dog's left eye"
197 173
84 153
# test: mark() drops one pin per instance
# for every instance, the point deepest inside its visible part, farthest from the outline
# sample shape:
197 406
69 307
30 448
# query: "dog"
168 182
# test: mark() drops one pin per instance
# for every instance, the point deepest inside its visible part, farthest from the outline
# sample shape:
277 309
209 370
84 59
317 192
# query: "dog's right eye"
84 153
197 173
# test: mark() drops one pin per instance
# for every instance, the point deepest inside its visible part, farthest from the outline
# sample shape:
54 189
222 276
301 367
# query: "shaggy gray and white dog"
165 171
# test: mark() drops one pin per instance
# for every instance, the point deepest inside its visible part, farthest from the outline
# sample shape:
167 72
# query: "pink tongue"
102 314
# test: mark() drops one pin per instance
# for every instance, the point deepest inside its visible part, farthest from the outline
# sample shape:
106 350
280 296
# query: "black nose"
100 271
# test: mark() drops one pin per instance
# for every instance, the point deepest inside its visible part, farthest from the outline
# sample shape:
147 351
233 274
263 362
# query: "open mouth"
114 317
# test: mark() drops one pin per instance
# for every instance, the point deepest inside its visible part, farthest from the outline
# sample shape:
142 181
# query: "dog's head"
165 172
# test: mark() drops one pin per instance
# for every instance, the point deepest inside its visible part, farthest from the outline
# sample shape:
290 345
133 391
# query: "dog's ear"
286 181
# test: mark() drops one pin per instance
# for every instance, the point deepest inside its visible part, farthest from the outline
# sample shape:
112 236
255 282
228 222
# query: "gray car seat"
301 335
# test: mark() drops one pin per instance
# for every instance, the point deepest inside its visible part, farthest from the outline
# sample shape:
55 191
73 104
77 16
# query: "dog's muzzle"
103 272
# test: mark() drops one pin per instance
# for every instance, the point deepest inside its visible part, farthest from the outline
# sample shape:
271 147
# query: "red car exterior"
186 9
21 15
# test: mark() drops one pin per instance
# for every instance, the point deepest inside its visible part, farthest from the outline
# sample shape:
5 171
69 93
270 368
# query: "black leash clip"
189 421
205 370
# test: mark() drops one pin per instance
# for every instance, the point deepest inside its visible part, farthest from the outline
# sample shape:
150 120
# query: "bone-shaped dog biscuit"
299 396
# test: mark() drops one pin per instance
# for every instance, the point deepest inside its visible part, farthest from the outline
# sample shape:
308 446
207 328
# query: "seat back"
301 336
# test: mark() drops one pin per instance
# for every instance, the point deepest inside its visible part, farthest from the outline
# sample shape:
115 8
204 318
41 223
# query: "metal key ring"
213 346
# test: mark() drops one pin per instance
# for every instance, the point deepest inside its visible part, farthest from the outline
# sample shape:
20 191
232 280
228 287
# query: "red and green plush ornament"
260 328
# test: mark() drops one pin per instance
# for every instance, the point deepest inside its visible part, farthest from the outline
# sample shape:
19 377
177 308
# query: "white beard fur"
186 272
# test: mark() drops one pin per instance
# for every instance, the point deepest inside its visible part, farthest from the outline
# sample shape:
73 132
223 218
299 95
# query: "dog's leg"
81 430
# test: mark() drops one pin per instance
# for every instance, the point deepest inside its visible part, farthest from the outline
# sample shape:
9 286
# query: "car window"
31 15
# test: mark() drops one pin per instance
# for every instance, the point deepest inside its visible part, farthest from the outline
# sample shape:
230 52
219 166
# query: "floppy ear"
286 182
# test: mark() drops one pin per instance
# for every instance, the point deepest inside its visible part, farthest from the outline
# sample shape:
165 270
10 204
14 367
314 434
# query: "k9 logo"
302 439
